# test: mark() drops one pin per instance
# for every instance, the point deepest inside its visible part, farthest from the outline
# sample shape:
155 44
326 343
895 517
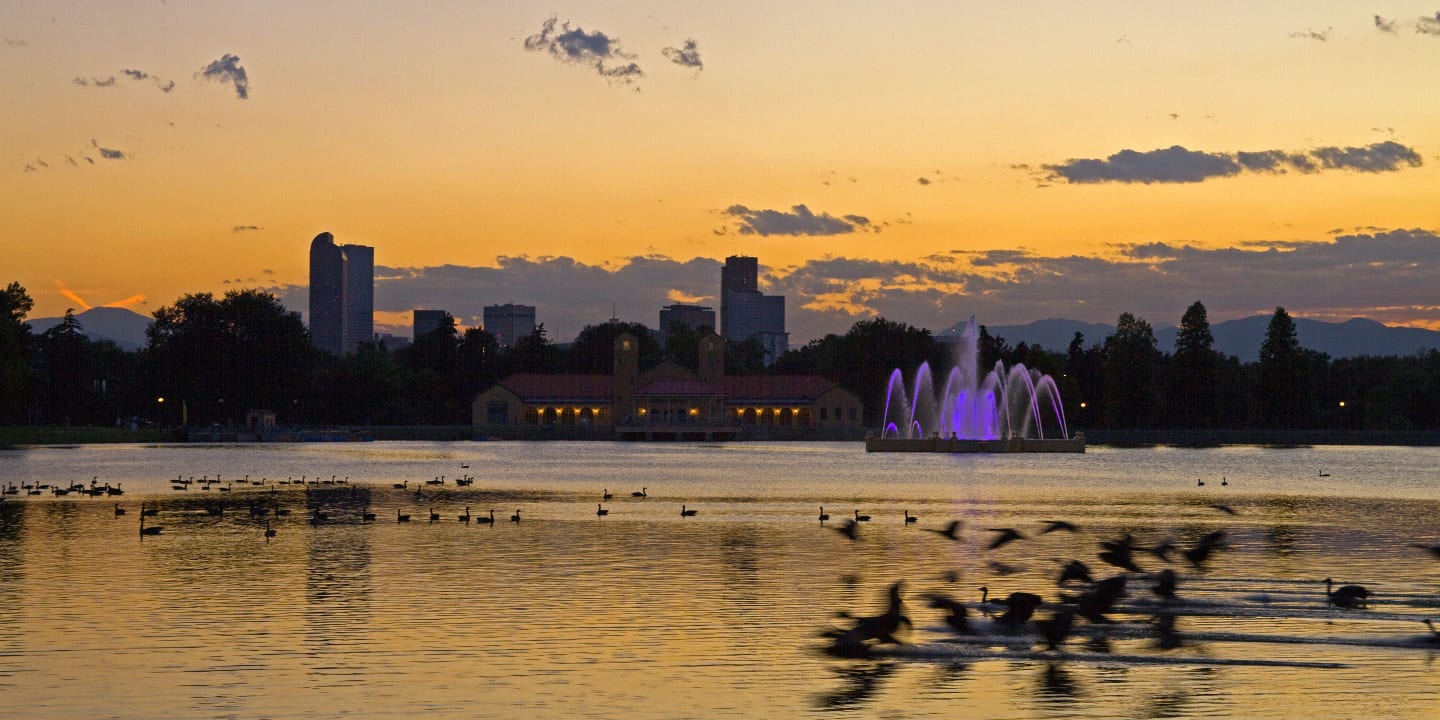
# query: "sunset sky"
924 160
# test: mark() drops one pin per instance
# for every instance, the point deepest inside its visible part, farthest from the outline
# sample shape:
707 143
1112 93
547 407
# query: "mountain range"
1241 338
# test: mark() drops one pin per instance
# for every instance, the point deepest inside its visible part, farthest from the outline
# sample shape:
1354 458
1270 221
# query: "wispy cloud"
594 50
687 55
1308 34
799 221
245 228
227 71
108 153
1428 25
71 295
164 85
1177 164
94 81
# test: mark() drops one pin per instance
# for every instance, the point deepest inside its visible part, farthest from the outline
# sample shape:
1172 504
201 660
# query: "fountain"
1014 410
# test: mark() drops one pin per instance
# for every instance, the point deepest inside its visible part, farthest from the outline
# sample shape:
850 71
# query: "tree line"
209 360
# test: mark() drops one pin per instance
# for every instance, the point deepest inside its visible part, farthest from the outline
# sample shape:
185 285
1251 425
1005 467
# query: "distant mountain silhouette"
1241 338
123 327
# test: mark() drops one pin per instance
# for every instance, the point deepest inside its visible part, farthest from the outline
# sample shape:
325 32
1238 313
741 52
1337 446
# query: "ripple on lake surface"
643 613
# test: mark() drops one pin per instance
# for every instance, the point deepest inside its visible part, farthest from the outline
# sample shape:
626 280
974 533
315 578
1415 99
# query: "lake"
643 613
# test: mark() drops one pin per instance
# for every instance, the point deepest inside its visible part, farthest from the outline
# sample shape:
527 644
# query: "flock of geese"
1083 594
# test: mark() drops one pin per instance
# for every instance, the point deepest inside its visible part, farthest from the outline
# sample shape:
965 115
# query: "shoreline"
14 437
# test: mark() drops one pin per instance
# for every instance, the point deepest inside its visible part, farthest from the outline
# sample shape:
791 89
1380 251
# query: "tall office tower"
747 313
427 321
509 322
342 294
694 316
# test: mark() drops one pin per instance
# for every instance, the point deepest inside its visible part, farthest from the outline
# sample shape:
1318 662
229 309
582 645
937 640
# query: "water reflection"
858 684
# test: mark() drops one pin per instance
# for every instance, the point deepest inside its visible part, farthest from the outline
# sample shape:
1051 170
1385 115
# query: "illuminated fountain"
1014 410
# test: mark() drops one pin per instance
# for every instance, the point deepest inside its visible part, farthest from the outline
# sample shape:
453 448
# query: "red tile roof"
679 387
581 388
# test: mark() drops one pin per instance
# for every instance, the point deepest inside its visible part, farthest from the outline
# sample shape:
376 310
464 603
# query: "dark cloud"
108 153
687 55
1309 34
227 71
1179 165
94 81
799 221
245 228
596 50
1386 275
1428 25
1383 25
1387 156
164 85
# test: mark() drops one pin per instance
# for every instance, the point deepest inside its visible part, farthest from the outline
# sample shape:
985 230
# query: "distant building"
342 294
667 402
426 321
390 342
692 316
509 322
746 313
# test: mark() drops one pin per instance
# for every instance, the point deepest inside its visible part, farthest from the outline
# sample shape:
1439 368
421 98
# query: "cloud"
70 295
596 50
227 71
687 55
799 221
245 228
94 81
108 153
164 85
1384 26
1384 274
1176 164
1428 25
15 42
1309 34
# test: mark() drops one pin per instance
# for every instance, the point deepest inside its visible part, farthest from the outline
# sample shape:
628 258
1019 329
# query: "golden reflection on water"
647 614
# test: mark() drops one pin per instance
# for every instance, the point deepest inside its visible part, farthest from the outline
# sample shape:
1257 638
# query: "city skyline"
924 163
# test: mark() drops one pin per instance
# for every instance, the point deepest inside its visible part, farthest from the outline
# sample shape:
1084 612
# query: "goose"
151 511
401 518
152 530
950 531
687 513
483 520
516 517
910 518
367 516
402 485
850 529
466 517
434 516
269 531
1006 535
1056 628
1199 482
861 518
1057 525
600 510
1075 570
1347 596
639 493
119 510
606 494
1224 482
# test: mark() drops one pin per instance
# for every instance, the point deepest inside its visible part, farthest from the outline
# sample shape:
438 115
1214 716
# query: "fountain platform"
1074 444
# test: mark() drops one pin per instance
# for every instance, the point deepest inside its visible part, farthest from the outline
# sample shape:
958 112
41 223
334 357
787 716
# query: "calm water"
645 614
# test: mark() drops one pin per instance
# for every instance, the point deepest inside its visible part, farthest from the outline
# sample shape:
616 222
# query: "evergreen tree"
15 349
1282 369
1132 374
1193 388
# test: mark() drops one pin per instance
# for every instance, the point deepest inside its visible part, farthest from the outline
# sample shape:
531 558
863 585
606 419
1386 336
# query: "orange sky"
439 138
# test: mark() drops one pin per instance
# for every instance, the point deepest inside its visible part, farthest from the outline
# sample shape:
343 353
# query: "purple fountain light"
1002 405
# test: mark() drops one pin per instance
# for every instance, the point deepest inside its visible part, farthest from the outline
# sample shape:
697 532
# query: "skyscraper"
509 322
427 321
746 313
342 294
694 316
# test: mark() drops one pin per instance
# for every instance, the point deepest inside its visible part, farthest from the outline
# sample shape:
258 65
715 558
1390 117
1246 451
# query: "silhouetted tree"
1083 385
746 357
1193 390
431 376
1282 369
1132 364
62 351
593 351
15 349
534 353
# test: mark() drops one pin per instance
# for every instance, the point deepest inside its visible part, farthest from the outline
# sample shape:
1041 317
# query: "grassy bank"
12 436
